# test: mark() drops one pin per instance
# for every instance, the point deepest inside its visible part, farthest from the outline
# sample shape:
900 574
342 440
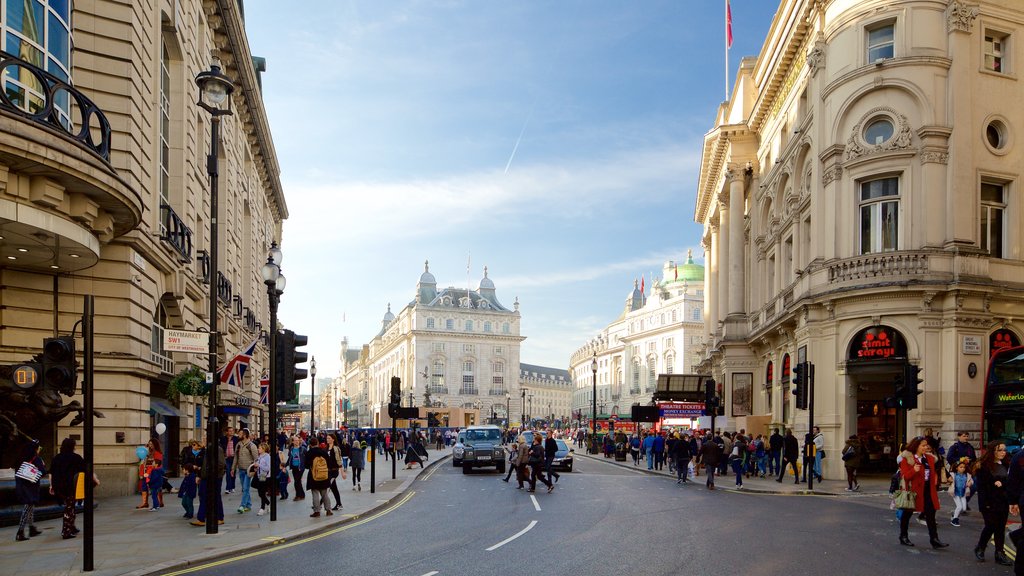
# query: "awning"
235 410
163 408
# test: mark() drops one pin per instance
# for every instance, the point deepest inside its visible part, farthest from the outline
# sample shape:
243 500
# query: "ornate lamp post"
275 282
508 410
215 97
593 419
312 394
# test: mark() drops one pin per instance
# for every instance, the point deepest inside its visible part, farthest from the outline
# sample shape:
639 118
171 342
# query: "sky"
555 142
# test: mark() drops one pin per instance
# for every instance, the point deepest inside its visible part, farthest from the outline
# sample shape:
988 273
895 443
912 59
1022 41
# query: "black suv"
482 447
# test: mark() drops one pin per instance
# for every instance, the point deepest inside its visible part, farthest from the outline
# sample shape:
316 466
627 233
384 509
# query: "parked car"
563 457
481 446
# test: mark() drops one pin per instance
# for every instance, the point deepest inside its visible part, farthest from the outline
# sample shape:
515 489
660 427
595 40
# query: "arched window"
468 378
634 387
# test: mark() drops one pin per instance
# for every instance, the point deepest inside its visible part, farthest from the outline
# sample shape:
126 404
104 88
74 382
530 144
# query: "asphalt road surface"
604 520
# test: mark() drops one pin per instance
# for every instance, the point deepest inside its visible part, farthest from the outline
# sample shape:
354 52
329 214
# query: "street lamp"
522 410
275 282
593 420
508 410
312 394
214 92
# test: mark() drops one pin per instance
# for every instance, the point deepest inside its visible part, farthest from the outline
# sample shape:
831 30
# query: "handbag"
28 471
905 498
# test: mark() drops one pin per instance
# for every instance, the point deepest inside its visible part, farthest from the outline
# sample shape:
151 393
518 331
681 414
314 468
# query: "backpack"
319 469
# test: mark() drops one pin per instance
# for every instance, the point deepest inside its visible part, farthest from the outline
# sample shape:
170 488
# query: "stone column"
709 301
711 287
724 277
736 288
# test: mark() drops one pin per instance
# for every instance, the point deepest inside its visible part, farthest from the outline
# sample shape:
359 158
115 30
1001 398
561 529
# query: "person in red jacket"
918 469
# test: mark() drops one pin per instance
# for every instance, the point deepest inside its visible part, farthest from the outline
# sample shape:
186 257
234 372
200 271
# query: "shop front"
875 360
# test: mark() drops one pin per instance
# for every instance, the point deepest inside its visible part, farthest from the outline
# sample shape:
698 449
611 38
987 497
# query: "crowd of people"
532 462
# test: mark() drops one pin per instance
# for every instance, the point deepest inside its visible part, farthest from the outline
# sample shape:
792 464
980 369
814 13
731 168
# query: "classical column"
709 301
724 276
736 288
711 288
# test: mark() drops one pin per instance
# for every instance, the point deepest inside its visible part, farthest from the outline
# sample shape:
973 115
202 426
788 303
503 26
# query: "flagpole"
726 50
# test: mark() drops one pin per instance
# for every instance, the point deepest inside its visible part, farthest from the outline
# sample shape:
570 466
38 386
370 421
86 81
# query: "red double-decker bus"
1002 415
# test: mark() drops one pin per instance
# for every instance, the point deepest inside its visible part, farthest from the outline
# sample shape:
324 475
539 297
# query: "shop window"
879 215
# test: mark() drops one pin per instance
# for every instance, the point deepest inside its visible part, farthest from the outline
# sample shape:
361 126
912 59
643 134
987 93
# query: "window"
879 131
669 364
487 326
468 380
165 125
39 32
652 376
469 325
879 215
438 347
993 206
696 314
499 351
497 385
995 50
669 342
674 316
468 348
634 387
996 135
449 324
881 42
505 328
430 323
498 367
437 378
650 346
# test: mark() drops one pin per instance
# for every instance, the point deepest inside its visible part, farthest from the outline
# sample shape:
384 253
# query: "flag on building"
234 371
728 25
642 278
265 388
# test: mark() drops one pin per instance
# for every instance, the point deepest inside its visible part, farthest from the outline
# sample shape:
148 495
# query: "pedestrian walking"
550 449
27 478
851 461
790 456
536 461
155 480
66 467
296 463
776 444
710 454
210 479
634 449
318 481
648 448
246 453
522 461
355 460
513 454
335 469
1015 496
960 449
738 459
228 443
917 468
261 477
959 488
819 452
991 475
681 455
191 461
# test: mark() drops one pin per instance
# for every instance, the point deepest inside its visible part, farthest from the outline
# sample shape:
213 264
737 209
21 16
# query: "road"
604 520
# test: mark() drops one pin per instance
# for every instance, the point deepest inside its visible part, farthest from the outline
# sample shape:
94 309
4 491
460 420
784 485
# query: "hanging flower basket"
189 382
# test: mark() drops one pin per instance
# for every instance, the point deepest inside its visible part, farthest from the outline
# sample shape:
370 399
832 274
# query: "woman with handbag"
261 477
851 461
990 475
26 488
919 476
334 469
67 465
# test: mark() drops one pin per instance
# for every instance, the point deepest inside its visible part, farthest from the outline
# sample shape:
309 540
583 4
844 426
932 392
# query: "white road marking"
430 573
513 537
536 504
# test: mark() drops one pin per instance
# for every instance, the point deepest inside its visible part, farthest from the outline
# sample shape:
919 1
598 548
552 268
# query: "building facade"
456 346
659 333
122 211
861 206
547 394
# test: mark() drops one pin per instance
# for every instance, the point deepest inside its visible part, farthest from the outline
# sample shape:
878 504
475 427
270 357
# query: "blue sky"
395 125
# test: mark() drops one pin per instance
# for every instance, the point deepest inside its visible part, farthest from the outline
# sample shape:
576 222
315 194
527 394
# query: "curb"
745 489
261 544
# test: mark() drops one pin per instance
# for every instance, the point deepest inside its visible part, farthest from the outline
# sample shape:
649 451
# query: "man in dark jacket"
1015 494
318 486
790 455
775 446
962 449
550 448
681 455
710 455
210 480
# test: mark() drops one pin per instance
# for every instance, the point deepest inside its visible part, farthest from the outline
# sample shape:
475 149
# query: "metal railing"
175 232
223 289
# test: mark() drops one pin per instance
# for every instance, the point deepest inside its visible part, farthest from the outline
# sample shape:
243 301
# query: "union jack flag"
265 388
233 372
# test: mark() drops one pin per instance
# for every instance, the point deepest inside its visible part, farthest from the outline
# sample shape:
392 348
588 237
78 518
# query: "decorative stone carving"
960 16
934 157
926 301
856 147
831 174
816 58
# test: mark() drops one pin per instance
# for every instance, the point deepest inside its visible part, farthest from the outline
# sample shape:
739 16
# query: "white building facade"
547 395
861 205
659 333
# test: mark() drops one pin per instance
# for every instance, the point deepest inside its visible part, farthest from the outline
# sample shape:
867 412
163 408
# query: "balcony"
174 232
223 289
203 266
250 320
157 354
889 265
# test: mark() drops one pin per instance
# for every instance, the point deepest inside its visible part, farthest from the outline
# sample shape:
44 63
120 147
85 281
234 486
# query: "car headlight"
458 451
469 453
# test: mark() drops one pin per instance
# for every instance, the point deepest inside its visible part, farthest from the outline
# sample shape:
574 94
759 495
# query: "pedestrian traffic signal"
911 386
710 399
59 363
396 390
432 421
285 359
800 378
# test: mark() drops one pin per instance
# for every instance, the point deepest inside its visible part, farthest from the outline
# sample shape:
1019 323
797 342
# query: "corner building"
861 202
124 213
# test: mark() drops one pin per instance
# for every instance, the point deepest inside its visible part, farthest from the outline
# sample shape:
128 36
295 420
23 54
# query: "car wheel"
568 468
456 463
466 469
501 468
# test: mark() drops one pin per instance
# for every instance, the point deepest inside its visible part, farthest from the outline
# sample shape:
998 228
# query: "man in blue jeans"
648 447
819 449
245 456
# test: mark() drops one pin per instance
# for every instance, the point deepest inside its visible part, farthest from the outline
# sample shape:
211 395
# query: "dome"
486 283
691 272
427 277
635 293
388 316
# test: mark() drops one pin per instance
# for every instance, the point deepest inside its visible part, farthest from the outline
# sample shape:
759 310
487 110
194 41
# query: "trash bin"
620 452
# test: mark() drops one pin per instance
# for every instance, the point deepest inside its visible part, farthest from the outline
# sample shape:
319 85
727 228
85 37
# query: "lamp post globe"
275 282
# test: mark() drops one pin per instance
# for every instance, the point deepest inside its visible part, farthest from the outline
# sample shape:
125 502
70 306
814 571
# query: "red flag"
642 278
728 24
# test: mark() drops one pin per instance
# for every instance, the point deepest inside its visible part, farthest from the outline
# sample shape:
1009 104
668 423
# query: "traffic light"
59 363
911 386
285 359
800 377
710 400
432 421
396 396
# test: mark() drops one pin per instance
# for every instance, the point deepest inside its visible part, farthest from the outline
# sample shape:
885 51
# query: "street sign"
186 341
681 409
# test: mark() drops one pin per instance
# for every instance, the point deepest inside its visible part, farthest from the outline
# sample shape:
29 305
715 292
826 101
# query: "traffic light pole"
373 462
275 464
809 375
89 397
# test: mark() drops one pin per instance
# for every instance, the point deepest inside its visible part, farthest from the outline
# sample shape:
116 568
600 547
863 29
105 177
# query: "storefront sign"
877 343
243 401
186 341
971 345
680 409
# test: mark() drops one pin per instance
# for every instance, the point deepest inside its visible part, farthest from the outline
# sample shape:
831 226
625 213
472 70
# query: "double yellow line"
281 545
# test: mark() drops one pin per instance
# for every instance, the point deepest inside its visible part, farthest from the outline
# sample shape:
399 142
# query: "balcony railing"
871 266
174 231
250 320
91 131
223 289
157 354
203 266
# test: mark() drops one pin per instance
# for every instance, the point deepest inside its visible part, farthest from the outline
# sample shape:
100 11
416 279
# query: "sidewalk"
873 485
138 542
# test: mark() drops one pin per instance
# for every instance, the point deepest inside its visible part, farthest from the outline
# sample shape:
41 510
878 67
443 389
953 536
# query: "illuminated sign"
785 368
877 343
1009 397
1000 339
25 375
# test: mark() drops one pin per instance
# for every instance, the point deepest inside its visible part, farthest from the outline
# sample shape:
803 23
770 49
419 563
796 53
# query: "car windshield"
482 435
561 446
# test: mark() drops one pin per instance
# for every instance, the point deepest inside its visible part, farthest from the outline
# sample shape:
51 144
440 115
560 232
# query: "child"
959 488
282 481
154 482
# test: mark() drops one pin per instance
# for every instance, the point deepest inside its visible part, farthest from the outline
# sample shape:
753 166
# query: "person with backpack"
296 463
851 461
536 461
319 462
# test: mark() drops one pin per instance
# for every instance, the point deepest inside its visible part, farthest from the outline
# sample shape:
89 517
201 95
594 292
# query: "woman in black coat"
27 491
990 478
67 465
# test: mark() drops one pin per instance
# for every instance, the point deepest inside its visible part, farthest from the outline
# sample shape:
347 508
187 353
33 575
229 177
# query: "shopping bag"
80 486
